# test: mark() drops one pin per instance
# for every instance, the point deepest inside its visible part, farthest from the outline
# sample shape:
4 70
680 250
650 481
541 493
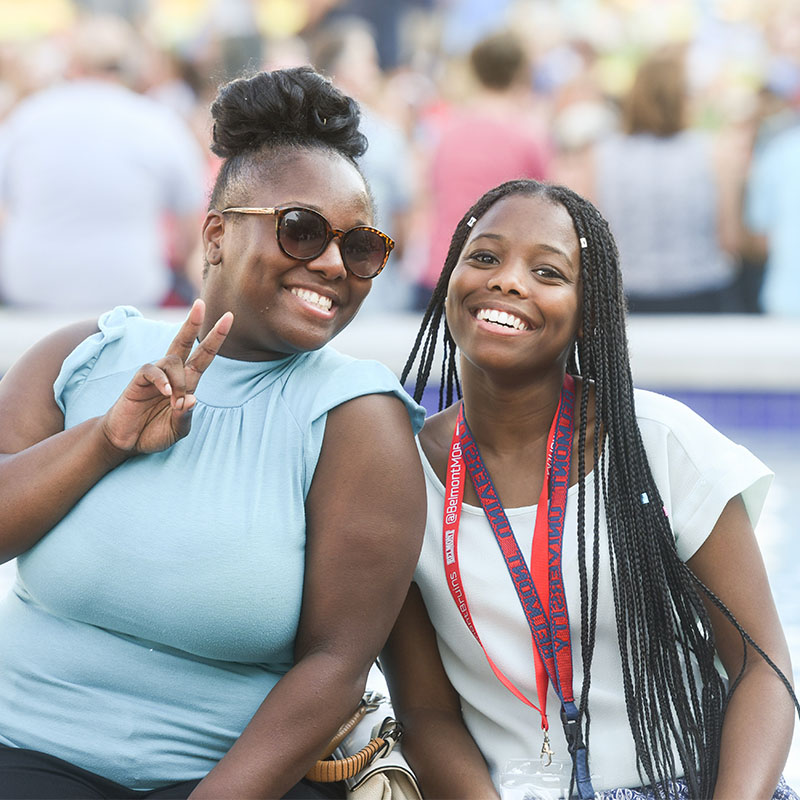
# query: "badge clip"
547 751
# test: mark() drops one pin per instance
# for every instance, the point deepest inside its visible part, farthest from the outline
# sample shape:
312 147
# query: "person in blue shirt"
204 514
772 209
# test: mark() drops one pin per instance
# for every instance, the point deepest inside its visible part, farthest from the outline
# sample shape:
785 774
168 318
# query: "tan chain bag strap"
328 770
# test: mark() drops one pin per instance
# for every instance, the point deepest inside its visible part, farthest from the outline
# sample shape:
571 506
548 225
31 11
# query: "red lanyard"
540 589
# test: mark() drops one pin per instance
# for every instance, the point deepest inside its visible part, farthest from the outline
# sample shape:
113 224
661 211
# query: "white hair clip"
644 498
584 245
471 221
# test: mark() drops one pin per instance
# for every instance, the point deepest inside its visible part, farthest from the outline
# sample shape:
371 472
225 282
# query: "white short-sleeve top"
697 471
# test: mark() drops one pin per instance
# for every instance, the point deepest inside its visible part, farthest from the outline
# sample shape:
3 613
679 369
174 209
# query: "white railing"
720 352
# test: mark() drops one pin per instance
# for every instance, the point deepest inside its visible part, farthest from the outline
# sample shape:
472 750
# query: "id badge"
534 779
530 779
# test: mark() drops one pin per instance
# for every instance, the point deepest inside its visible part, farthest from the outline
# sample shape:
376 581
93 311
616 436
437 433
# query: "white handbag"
366 755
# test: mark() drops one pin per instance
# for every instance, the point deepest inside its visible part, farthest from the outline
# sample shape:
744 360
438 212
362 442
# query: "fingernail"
225 322
167 388
179 403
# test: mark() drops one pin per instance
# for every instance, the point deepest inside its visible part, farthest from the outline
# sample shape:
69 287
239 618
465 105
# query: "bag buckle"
390 731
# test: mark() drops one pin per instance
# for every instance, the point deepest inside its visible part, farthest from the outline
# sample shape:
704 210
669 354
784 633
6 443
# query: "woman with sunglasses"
589 550
201 540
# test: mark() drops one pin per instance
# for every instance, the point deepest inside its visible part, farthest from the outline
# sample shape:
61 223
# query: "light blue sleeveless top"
147 627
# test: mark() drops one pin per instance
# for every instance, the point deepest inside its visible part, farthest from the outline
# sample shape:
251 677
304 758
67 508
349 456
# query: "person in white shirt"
92 176
588 545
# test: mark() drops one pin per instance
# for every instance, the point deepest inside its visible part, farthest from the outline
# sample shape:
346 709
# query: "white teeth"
319 300
501 318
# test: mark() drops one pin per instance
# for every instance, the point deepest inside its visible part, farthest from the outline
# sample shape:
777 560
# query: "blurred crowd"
680 119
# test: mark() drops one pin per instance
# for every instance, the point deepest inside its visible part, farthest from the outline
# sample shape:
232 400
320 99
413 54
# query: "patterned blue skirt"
681 792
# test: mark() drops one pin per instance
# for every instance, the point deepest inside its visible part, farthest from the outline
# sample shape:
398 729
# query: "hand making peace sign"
154 410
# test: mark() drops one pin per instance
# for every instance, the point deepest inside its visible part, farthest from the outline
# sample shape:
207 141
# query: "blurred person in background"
670 196
582 112
466 22
480 143
90 175
27 67
236 33
772 113
174 81
386 21
773 211
345 50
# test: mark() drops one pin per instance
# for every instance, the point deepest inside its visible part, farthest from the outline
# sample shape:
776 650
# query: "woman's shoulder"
326 378
122 340
661 415
130 333
127 326
650 403
672 430
661 409
697 468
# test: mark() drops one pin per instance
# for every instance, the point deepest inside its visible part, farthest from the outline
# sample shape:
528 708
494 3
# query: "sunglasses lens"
302 233
363 252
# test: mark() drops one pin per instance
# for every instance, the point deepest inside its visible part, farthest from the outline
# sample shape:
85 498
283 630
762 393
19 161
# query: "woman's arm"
365 518
757 730
45 470
436 743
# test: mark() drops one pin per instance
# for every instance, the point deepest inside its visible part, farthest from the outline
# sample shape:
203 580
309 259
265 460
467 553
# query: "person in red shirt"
489 139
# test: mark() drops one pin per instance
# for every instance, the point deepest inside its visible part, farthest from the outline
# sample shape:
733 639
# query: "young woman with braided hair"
644 560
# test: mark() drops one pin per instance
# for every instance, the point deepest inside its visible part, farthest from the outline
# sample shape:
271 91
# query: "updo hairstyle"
282 110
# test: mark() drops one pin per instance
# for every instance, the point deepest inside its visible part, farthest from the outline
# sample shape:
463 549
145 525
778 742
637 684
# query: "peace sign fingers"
154 410
181 346
186 336
206 350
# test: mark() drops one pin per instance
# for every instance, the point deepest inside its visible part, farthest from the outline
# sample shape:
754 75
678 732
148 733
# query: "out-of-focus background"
679 118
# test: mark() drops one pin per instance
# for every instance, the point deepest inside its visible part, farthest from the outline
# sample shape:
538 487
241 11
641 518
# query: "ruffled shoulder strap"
79 364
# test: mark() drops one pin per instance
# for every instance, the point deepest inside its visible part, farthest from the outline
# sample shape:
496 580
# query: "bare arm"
45 470
436 743
365 518
757 729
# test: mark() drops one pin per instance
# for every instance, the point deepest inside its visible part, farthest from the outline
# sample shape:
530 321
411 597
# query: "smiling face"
281 305
514 296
